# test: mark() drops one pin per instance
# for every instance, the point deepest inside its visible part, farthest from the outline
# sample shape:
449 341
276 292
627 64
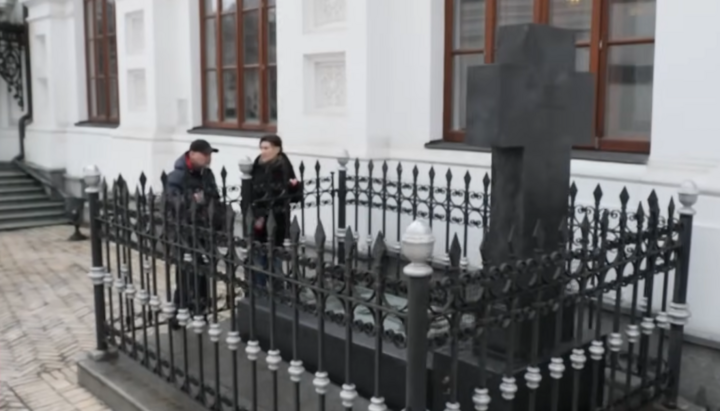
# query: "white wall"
363 76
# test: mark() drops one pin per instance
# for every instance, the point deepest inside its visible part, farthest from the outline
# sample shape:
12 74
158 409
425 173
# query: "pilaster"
313 100
148 56
56 86
684 122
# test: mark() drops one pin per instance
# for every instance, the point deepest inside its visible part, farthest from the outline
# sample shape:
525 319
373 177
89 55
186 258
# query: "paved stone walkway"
46 320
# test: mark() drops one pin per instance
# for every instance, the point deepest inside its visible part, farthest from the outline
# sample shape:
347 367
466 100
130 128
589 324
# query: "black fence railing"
382 296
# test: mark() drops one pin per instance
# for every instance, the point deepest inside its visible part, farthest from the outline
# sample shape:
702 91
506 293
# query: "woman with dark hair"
275 187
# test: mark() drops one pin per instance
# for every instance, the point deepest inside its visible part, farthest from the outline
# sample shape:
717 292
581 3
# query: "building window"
101 58
615 41
239 64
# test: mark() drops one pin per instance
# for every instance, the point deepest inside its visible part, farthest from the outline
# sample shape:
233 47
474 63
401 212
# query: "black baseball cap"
202 146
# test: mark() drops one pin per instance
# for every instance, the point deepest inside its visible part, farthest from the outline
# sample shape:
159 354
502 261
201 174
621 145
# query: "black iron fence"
382 297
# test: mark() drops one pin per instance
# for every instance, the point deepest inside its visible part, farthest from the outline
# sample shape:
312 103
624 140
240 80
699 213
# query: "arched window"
101 59
239 70
615 41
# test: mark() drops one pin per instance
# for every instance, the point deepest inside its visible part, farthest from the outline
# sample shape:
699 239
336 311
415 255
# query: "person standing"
275 187
192 181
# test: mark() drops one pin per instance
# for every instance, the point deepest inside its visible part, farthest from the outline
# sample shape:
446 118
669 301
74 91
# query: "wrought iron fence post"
342 205
91 176
678 312
246 190
417 246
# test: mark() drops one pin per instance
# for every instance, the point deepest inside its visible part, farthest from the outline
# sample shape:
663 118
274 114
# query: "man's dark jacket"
183 182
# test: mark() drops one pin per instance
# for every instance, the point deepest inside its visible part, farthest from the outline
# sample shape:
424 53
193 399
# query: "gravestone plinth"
530 107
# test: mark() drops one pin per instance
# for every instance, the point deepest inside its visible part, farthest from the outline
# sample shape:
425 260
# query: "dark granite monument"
530 107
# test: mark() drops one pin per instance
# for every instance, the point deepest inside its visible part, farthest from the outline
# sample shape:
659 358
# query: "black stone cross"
530 108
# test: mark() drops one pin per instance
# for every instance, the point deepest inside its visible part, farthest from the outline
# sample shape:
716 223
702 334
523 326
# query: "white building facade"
127 84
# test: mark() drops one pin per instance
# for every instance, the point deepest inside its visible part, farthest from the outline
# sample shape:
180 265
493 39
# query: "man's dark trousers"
192 287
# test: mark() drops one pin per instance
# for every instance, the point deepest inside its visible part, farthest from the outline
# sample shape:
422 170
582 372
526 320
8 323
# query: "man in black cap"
192 181
191 174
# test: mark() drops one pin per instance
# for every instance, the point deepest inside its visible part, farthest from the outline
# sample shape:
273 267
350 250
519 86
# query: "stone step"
16 181
21 225
6 190
125 385
11 174
22 198
31 215
32 205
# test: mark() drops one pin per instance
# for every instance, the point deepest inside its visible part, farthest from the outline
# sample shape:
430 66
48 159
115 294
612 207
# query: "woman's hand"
259 223
293 182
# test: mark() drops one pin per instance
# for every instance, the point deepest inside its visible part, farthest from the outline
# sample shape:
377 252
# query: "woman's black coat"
272 192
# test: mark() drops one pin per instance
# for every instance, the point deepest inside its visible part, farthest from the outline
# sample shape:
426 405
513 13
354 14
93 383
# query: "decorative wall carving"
330 84
329 12
325 84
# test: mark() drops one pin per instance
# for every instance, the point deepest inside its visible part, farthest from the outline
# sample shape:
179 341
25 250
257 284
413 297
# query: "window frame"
263 67
599 46
109 74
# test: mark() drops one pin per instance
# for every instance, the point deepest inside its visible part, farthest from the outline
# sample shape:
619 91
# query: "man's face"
200 160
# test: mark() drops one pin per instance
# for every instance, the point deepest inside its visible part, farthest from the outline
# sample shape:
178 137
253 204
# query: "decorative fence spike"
653 205
573 190
143 181
379 250
350 242
640 214
320 235
597 194
671 207
455 252
295 230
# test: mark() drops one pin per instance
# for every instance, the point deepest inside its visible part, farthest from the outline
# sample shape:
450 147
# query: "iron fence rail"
345 320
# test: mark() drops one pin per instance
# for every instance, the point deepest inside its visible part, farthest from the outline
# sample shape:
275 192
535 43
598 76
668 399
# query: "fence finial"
688 196
246 165
417 246
92 178
343 159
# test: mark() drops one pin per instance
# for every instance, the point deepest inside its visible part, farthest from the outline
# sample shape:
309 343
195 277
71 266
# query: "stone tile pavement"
46 320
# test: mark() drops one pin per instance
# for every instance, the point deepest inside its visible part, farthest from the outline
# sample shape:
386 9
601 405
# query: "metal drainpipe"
27 117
